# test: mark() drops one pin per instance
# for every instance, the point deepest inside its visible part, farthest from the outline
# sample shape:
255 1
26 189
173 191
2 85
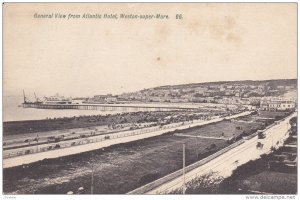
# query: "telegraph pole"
183 168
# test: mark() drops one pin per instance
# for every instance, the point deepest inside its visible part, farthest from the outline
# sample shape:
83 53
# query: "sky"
86 57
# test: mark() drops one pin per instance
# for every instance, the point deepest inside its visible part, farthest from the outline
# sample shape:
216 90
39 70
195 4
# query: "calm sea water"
12 111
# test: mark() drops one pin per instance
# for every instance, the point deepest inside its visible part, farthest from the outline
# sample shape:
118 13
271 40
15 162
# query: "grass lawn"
270 182
119 169
228 128
272 114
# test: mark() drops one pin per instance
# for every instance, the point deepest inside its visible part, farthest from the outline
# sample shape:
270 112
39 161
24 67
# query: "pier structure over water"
108 107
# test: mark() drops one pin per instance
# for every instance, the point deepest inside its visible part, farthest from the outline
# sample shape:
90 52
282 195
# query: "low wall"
178 173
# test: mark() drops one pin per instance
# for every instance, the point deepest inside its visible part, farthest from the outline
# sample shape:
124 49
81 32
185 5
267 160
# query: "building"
104 99
110 99
274 105
287 105
264 105
277 105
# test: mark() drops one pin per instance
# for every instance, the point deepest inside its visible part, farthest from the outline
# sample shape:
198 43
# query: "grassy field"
272 114
270 182
119 169
255 177
226 128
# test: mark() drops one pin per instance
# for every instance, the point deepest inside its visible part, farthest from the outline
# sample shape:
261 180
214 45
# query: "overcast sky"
81 57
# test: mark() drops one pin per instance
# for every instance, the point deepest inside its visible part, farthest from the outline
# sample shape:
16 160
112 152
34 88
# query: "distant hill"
273 82
194 92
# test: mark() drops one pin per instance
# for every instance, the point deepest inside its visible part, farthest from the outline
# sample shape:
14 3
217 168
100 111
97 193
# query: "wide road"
227 162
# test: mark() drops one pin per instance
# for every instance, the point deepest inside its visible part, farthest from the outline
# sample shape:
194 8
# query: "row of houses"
277 105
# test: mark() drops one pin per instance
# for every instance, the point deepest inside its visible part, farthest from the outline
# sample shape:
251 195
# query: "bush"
205 184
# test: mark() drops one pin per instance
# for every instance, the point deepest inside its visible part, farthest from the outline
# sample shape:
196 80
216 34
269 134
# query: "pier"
108 107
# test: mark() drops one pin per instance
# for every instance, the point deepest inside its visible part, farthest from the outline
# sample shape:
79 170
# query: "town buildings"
260 94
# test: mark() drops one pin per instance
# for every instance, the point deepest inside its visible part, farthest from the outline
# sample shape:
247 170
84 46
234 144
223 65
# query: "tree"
205 184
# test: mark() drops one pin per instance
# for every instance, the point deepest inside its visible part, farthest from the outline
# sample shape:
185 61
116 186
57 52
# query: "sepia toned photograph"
149 99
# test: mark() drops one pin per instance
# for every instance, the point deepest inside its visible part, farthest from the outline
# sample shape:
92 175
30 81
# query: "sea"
13 111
